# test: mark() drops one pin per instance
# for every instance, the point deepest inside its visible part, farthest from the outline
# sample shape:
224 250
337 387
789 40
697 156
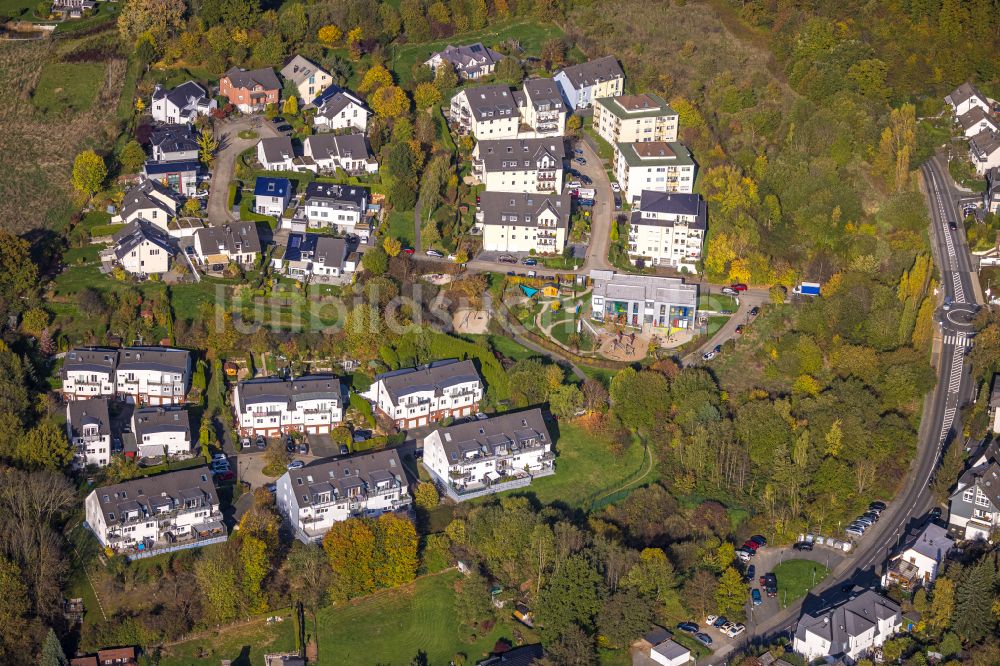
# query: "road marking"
960 339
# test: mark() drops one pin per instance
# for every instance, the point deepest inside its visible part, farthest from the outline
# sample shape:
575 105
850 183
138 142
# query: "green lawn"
18 9
401 226
65 86
604 149
717 302
241 644
715 323
796 577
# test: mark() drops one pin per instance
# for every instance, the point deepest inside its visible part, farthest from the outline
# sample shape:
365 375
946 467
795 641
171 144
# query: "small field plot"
65 86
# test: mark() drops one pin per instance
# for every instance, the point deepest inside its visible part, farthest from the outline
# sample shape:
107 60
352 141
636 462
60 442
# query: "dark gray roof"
277 148
963 93
89 359
497 435
523 209
330 251
985 143
526 655
350 146
149 420
227 236
299 68
492 101
136 233
182 95
544 94
174 138
336 476
170 489
434 377
588 73
470 58
511 154
164 359
334 105
139 197
849 619
321 194
973 117
89 412
309 387
670 203
241 78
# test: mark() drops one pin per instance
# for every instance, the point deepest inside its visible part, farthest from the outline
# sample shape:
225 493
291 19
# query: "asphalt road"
604 207
230 147
747 301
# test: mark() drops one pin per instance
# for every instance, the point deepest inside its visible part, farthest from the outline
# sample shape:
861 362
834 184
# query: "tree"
308 573
573 125
291 106
973 618
292 22
158 17
731 594
553 52
942 604
218 581
354 36
45 447
349 547
35 321
376 77
375 261
572 597
426 95
509 71
426 496
13 611
896 147
329 35
392 246
389 102
624 615
89 172
445 79
396 543
573 647
52 652
254 569
565 400
472 599
132 157
699 592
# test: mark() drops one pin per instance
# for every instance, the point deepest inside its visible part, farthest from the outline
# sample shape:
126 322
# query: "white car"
736 630
218 456
710 620
615 187
708 356
727 627
434 253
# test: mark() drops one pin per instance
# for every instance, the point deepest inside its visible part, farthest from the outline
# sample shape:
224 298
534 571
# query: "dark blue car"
689 627
755 595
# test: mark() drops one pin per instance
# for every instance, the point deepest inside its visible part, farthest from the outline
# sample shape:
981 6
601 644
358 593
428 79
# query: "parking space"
322 446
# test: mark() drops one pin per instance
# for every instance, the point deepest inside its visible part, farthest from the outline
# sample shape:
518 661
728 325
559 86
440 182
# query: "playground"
471 322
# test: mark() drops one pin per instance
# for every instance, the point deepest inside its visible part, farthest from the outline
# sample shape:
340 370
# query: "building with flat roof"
641 300
657 166
635 119
667 229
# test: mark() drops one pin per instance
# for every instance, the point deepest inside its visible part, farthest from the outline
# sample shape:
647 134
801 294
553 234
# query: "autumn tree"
207 145
14 611
426 95
89 172
392 246
389 102
132 157
896 147
445 79
472 599
354 36
329 35
290 106
731 594
395 562
509 71
426 496
159 17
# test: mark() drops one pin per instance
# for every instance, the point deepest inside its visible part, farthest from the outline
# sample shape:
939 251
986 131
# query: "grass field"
65 86
401 226
716 302
245 644
17 9
796 577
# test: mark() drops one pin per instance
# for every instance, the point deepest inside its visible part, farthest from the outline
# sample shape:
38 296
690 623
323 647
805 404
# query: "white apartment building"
519 165
483 456
160 431
487 112
641 300
329 491
587 82
330 152
314 256
975 121
542 108
152 375
984 151
519 222
141 249
635 119
150 201
182 104
974 506
141 517
657 166
341 111
88 373
919 559
338 206
232 242
668 230
849 631
273 407
88 428
414 397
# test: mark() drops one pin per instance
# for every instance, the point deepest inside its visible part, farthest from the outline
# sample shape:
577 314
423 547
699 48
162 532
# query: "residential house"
152 375
643 300
180 176
232 242
918 560
150 201
976 120
88 428
88 373
349 152
635 119
413 397
525 655
522 222
283 659
124 656
337 206
309 78
314 256
142 249
487 112
473 61
250 91
991 204
273 407
271 196
542 109
657 166
341 110
276 153
520 165
587 82
182 104
140 517
966 97
984 151
161 431
174 163
329 491
974 506
656 647
667 230
850 630
73 9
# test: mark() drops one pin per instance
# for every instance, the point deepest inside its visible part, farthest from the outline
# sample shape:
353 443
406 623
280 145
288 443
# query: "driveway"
750 299
230 147
604 207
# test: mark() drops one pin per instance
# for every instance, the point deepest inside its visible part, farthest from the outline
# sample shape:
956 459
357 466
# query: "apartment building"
141 517
542 108
309 78
88 373
976 120
340 110
635 119
487 112
232 242
337 206
667 230
329 491
314 256
850 630
658 166
141 249
484 456
160 431
250 91
414 397
974 506
522 222
587 82
183 104
470 62
984 151
966 97
88 428
152 375
273 407
349 152
641 300
918 560
520 165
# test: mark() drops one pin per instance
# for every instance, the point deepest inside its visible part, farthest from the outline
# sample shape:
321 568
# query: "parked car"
751 572
769 580
752 545
739 330
738 287
710 620
744 554
726 627
755 596
344 450
935 513
708 356
507 259
736 631
586 179
218 456
530 261
759 540
615 187
728 291
578 151
296 464
704 639
754 311
303 448
802 545
719 621
261 442
408 250
277 120
580 161
880 506
772 592
227 475
284 128
856 532
290 445
272 487
867 522
434 253
689 627
873 515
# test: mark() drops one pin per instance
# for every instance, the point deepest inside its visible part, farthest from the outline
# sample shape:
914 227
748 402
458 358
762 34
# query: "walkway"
230 147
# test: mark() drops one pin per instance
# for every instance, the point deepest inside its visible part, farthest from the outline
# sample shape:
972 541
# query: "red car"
752 545
408 250
739 330
225 476
738 287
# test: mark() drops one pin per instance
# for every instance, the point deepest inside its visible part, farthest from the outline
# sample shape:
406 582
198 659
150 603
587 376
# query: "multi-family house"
232 242
641 300
542 108
250 91
918 560
337 206
161 431
141 249
174 161
340 110
152 375
276 153
88 373
349 152
271 196
88 428
473 61
658 166
667 230
314 256
273 406
850 630
984 151
974 506
487 112
181 176
312 499
413 397
966 97
589 81
522 222
635 119
977 120
309 78
150 201
146 515
520 165
486 455
182 104
991 204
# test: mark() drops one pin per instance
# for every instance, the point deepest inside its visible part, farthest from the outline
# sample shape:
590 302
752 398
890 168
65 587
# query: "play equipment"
528 291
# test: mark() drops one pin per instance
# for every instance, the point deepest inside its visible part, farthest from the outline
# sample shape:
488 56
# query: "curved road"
230 147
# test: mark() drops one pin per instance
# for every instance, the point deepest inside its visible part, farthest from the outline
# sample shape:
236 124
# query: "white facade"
88 373
182 104
88 428
920 560
160 432
518 222
346 151
965 98
343 111
309 78
416 397
668 230
489 112
272 407
146 258
275 154
519 165
635 119
152 375
654 166
850 630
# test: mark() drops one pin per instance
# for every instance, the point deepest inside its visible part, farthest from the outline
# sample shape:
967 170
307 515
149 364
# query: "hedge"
364 407
444 346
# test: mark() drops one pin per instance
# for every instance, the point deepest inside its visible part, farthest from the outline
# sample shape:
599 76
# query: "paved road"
748 300
604 208
230 147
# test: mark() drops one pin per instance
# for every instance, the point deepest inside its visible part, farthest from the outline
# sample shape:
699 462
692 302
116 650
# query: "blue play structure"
528 291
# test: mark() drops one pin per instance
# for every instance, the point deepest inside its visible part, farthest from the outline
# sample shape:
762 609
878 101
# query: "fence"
462 496
153 552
